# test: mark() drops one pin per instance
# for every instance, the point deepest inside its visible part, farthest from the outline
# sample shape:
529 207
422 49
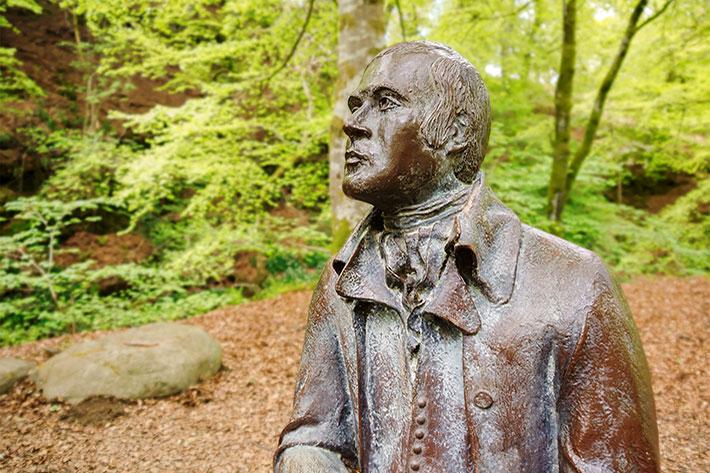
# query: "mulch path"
231 423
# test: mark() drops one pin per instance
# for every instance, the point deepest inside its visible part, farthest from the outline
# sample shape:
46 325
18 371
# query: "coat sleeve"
323 413
606 407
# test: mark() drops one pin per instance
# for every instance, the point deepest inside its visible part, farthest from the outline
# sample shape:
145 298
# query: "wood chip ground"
231 423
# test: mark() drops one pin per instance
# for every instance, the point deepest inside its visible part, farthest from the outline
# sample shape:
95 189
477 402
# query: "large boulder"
11 371
150 361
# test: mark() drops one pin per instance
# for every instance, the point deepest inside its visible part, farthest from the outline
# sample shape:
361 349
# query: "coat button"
417 449
421 403
419 433
483 400
420 420
414 465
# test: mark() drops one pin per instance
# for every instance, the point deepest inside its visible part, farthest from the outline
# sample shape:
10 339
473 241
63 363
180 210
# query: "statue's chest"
411 393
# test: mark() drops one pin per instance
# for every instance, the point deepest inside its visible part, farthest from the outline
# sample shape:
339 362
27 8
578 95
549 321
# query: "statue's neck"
437 207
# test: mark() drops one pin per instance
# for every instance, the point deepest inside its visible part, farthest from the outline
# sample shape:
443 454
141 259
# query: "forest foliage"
236 174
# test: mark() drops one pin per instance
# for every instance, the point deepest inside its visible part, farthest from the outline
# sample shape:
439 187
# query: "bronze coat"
555 375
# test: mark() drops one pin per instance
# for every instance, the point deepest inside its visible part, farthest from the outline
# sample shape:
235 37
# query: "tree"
563 110
564 172
361 36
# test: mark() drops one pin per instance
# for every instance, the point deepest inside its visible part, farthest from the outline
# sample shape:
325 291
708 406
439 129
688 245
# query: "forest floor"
231 423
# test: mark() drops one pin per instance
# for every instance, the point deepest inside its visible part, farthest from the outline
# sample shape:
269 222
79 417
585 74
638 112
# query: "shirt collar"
418 216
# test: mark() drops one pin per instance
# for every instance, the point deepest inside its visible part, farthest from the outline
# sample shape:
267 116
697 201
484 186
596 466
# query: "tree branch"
296 43
654 16
492 17
498 16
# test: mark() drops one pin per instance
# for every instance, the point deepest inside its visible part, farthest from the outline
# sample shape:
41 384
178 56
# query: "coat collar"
486 246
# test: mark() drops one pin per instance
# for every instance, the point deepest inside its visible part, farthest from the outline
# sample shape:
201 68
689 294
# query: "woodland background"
159 159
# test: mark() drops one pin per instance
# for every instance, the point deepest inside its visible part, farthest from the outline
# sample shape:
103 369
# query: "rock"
11 371
150 361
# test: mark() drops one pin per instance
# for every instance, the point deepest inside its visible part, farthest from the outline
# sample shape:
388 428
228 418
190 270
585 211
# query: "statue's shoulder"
545 262
540 248
570 276
567 286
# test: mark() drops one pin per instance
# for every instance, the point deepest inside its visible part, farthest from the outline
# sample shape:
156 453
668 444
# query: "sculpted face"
387 162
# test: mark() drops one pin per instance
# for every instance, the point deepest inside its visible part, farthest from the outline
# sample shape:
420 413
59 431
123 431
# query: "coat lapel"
362 270
451 300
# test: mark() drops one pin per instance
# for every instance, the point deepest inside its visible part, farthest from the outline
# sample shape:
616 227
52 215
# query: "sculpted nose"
356 130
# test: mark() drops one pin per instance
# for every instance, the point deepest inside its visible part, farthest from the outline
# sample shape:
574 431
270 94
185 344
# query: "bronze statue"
446 336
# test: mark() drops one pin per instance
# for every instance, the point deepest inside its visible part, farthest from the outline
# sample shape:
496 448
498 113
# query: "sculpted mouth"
354 157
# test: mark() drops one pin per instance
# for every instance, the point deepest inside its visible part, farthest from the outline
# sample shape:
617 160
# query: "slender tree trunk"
595 116
563 108
362 33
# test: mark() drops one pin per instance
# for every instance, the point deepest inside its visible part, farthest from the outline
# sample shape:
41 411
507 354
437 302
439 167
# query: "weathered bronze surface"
446 336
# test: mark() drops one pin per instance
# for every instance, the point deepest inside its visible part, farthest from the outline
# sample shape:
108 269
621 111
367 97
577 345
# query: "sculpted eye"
386 103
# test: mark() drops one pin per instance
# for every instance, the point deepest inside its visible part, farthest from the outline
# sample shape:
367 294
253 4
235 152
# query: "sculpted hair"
460 92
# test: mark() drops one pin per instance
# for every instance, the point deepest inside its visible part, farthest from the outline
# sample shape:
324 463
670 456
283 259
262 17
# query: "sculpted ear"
458 140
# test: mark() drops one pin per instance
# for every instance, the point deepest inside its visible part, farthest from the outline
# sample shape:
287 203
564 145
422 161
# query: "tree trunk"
563 107
598 109
362 34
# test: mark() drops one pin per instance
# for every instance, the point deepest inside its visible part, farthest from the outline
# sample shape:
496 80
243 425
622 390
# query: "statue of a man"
446 336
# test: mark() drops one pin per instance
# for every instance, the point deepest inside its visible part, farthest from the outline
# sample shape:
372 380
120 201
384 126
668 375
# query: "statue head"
419 124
